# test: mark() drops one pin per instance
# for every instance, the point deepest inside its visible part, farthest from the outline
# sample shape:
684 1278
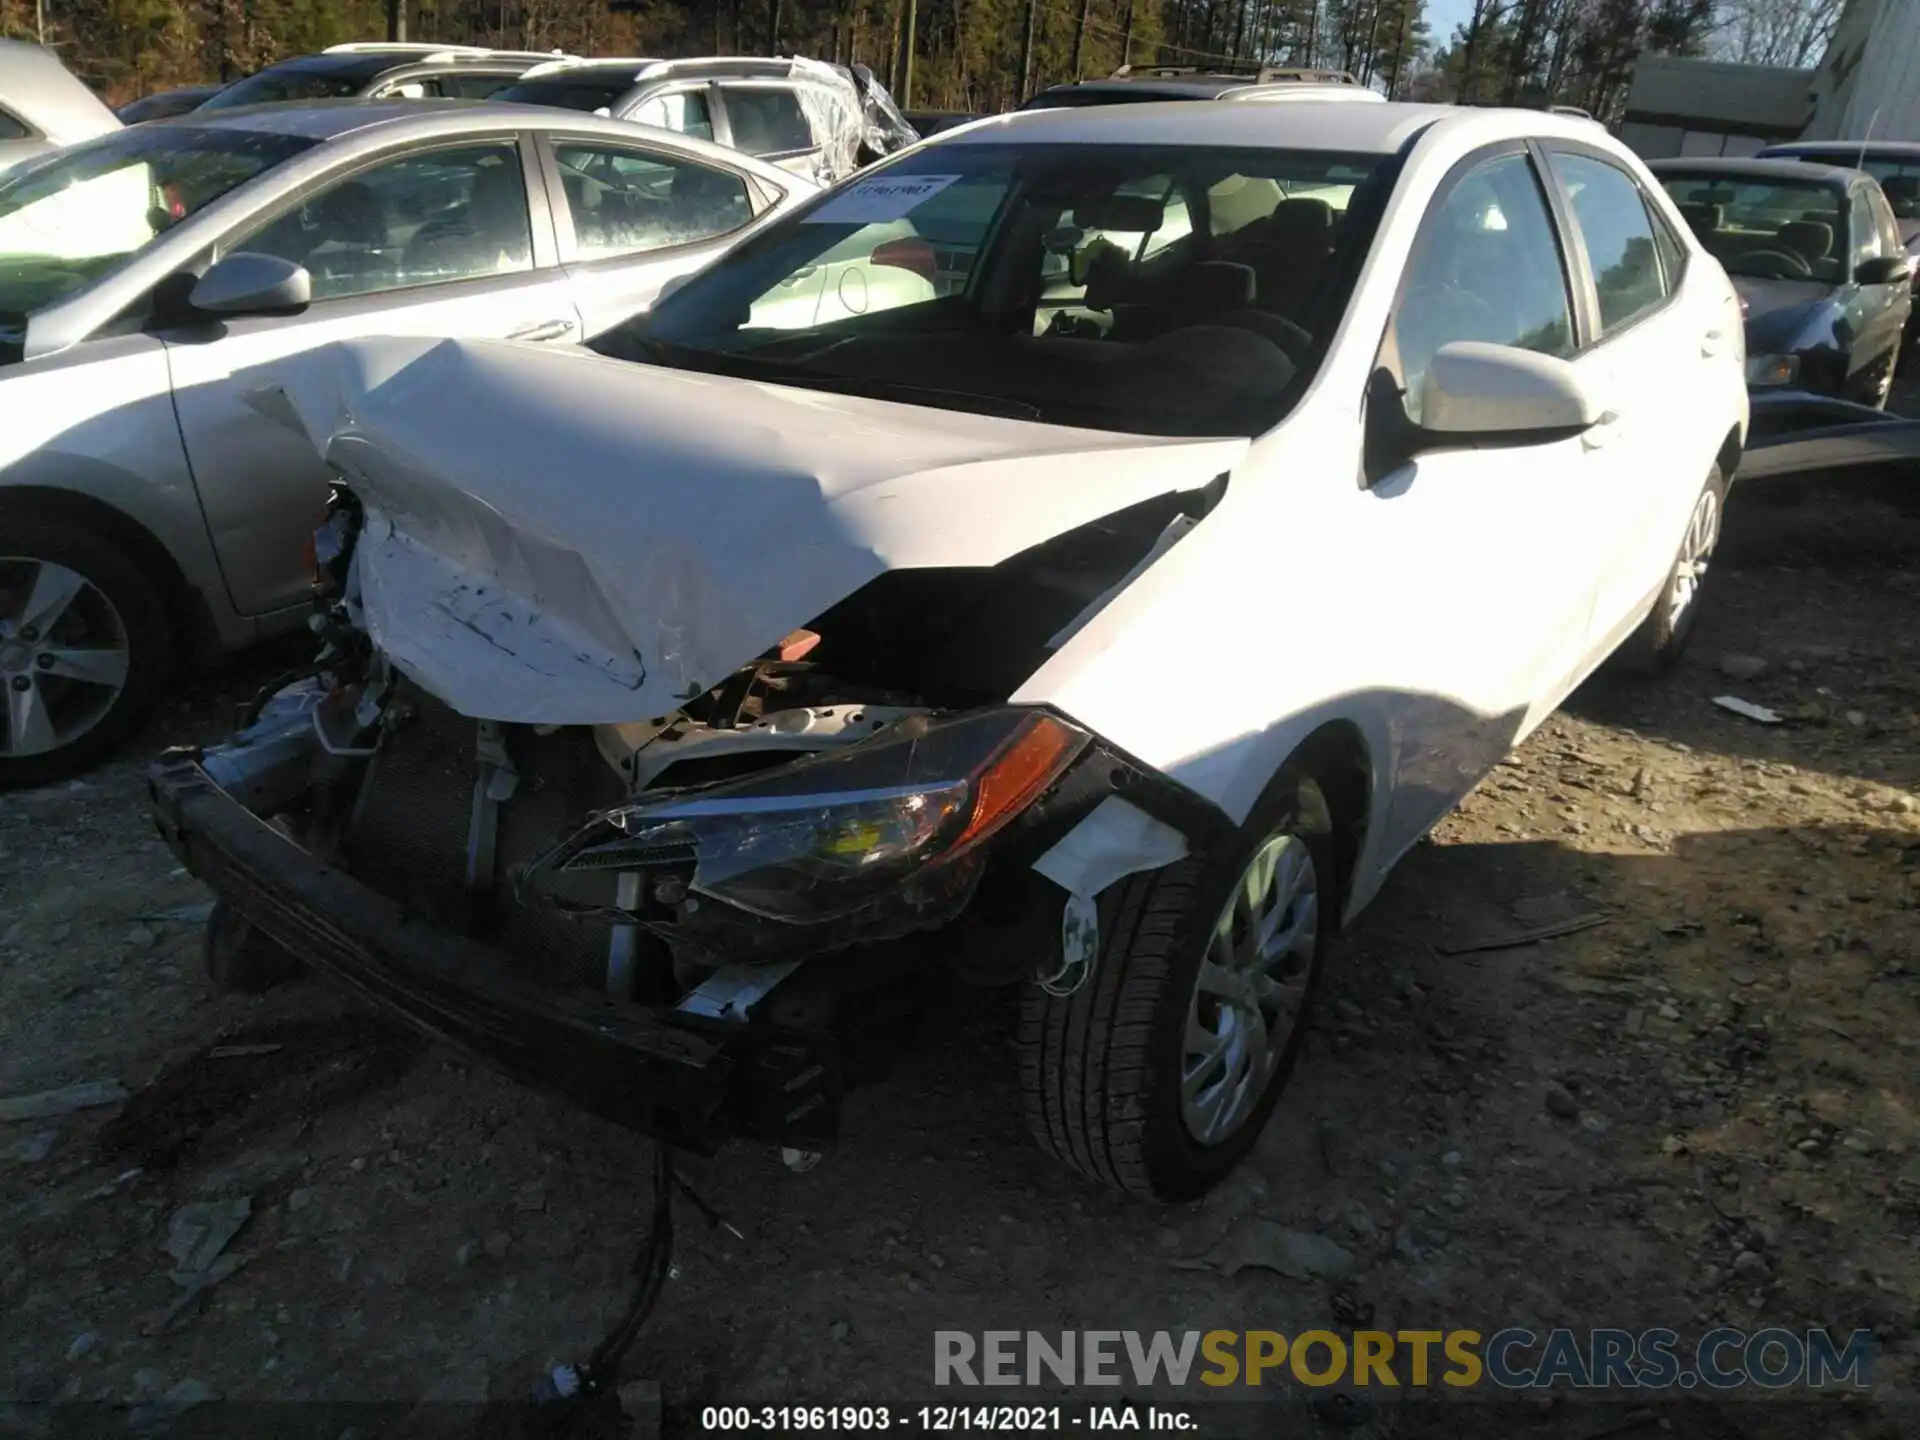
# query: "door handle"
542 330
1713 343
804 272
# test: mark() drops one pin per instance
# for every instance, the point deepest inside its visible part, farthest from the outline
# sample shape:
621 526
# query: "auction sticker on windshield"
883 198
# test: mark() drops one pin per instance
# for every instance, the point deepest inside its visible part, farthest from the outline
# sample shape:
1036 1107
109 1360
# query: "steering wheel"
1773 264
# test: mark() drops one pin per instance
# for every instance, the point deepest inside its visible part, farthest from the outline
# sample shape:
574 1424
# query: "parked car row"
816 119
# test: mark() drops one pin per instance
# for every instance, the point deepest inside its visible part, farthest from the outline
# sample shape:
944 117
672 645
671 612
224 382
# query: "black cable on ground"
602 1370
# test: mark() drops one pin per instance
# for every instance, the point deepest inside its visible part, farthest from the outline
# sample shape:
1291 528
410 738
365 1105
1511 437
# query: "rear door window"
767 120
621 201
1618 232
684 111
471 87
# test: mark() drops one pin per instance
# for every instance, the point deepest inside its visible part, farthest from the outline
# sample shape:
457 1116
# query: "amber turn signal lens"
1025 766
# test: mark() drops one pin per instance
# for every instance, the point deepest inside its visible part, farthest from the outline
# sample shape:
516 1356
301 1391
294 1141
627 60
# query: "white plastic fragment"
1748 709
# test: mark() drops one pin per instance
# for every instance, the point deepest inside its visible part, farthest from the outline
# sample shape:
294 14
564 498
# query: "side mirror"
1476 393
1480 396
1882 270
248 284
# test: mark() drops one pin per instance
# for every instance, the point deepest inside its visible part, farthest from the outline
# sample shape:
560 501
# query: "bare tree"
1777 32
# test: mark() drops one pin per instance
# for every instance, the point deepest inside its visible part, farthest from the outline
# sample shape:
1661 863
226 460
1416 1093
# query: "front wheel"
1158 1074
1655 647
84 649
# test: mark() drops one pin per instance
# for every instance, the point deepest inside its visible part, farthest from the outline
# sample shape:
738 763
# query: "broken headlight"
826 836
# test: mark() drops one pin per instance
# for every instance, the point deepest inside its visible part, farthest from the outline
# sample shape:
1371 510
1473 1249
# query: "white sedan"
1121 616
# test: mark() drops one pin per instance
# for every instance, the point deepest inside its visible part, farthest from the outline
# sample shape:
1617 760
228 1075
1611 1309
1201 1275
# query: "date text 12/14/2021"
943 1419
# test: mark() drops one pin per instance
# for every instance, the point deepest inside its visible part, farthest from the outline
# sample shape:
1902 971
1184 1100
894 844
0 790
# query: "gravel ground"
1703 1108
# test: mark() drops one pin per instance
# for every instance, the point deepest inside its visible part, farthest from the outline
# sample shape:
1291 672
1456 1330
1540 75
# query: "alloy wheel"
64 655
1251 990
1696 549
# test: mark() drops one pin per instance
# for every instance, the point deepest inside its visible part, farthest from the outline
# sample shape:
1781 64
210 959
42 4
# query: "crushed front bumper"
687 1080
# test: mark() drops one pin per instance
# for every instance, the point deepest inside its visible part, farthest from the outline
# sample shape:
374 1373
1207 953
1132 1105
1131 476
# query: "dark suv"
379 71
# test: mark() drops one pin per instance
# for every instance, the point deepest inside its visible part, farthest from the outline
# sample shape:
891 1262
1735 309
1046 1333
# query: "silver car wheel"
1690 569
1251 989
64 655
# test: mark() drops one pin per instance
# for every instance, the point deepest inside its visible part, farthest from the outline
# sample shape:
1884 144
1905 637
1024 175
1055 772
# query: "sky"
1444 15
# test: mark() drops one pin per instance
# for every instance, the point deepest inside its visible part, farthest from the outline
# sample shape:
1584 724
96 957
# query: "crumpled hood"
558 538
1778 310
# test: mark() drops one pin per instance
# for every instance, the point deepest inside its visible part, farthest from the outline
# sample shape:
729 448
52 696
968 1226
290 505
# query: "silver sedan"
152 505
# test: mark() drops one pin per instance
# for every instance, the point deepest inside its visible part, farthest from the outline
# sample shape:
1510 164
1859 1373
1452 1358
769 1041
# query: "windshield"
1765 229
278 84
581 94
1148 289
1899 175
85 212
1901 180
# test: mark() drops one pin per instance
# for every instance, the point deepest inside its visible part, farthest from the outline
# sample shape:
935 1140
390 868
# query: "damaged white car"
1099 618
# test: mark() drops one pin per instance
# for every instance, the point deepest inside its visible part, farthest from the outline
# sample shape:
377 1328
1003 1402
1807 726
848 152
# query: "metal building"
1868 85
1710 107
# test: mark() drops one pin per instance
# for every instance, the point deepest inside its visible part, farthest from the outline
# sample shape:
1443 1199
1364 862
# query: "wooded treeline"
1567 52
974 55
979 55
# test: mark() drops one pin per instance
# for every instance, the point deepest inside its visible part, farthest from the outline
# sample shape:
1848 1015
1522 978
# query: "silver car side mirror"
245 283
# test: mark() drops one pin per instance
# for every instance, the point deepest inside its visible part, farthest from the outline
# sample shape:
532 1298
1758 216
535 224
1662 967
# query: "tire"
1101 1069
1657 645
239 959
70 725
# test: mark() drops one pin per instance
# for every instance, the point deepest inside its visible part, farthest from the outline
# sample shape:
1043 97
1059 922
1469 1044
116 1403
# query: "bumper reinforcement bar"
687 1082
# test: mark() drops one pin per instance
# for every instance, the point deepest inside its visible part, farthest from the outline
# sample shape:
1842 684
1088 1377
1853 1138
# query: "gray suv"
806 116
153 501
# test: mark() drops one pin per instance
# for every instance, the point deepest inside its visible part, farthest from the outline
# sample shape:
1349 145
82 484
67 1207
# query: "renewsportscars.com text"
1509 1359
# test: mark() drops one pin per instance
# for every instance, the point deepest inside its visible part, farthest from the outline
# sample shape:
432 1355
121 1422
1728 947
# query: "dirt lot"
1704 1109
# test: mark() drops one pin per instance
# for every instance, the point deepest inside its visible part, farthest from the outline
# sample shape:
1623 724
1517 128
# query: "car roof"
1906 148
355 64
1174 85
325 121
1781 170
1379 129
50 97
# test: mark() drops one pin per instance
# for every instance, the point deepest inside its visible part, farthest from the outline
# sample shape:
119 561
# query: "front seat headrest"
1301 219
1812 239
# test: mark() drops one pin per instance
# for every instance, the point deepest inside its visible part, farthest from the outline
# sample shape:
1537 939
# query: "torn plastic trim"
1115 840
